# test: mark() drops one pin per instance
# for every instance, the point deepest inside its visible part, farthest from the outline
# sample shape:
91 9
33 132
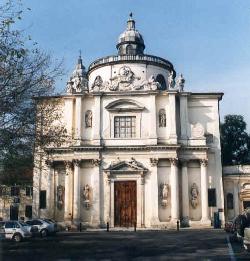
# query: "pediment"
124 105
126 166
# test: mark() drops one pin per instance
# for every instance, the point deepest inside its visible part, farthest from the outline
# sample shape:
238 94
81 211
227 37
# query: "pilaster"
68 189
174 190
185 194
204 191
154 192
76 193
78 119
172 117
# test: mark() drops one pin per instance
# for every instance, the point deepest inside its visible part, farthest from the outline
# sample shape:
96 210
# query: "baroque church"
142 150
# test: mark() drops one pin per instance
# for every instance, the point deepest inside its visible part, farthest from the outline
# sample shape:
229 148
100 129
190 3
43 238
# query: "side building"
140 150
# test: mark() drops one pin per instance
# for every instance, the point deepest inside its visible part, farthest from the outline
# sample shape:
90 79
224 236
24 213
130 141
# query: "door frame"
140 200
135 200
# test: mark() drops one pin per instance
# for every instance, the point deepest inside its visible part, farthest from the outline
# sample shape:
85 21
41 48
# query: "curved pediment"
124 105
126 166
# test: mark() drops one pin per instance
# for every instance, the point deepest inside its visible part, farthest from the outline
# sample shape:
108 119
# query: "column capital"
96 162
174 161
154 162
204 162
49 163
77 162
184 162
68 163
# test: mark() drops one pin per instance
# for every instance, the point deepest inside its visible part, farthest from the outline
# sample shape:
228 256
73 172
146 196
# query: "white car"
246 239
44 227
14 230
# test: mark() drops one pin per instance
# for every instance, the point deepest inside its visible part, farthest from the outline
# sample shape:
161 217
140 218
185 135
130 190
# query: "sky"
208 41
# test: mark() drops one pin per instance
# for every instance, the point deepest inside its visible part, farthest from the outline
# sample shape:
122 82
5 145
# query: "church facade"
142 149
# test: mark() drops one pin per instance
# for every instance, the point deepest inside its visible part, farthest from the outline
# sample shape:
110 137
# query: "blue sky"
206 40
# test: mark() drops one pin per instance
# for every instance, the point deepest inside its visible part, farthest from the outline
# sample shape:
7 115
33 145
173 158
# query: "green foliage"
235 141
25 72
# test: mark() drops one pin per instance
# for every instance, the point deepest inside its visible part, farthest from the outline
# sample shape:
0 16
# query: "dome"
130 41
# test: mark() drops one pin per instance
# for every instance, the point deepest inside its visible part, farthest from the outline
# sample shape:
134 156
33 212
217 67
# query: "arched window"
230 201
161 80
129 49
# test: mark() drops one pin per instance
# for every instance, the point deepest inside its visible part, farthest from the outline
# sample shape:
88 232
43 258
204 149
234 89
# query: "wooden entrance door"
125 203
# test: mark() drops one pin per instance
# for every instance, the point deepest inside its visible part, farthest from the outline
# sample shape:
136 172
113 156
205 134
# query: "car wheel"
44 233
17 238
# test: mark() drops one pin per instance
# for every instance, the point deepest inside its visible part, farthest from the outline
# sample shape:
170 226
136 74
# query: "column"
172 118
78 118
95 184
152 129
50 187
184 116
76 191
112 202
174 190
204 191
69 115
185 194
154 192
142 200
97 120
68 189
236 198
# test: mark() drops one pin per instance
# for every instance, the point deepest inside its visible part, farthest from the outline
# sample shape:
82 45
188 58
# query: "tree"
235 141
25 72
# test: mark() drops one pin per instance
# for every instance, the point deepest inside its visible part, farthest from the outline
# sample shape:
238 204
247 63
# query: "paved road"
142 245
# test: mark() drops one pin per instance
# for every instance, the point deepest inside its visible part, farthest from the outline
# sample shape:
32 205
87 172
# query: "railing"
139 58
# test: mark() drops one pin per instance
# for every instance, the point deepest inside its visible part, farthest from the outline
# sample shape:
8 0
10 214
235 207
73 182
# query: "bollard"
178 225
107 226
135 226
80 227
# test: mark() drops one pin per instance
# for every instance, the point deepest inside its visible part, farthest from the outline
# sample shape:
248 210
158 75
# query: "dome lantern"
130 42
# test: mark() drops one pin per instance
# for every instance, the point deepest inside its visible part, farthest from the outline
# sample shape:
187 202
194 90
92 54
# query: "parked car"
246 239
44 227
15 230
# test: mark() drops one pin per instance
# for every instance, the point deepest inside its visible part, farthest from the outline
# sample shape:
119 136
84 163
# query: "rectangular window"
42 199
124 126
29 191
28 211
15 191
212 197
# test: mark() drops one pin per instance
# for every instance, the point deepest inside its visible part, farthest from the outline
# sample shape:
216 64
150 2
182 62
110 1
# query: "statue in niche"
70 87
194 195
171 81
180 83
86 196
88 119
162 118
164 189
60 197
98 83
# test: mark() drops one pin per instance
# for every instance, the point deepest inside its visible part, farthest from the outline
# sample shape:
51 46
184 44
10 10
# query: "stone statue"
86 193
60 197
180 83
162 118
164 189
194 195
171 81
88 119
70 88
97 85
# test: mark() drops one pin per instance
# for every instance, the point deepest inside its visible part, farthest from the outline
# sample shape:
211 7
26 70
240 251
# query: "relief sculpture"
60 197
164 189
86 196
194 195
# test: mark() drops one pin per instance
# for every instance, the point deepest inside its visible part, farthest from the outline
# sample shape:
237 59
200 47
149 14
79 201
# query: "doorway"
125 203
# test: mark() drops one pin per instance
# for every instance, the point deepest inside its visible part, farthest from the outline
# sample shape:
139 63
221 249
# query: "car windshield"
23 224
48 221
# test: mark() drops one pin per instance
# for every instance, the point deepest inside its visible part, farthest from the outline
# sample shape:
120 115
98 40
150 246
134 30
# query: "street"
126 245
